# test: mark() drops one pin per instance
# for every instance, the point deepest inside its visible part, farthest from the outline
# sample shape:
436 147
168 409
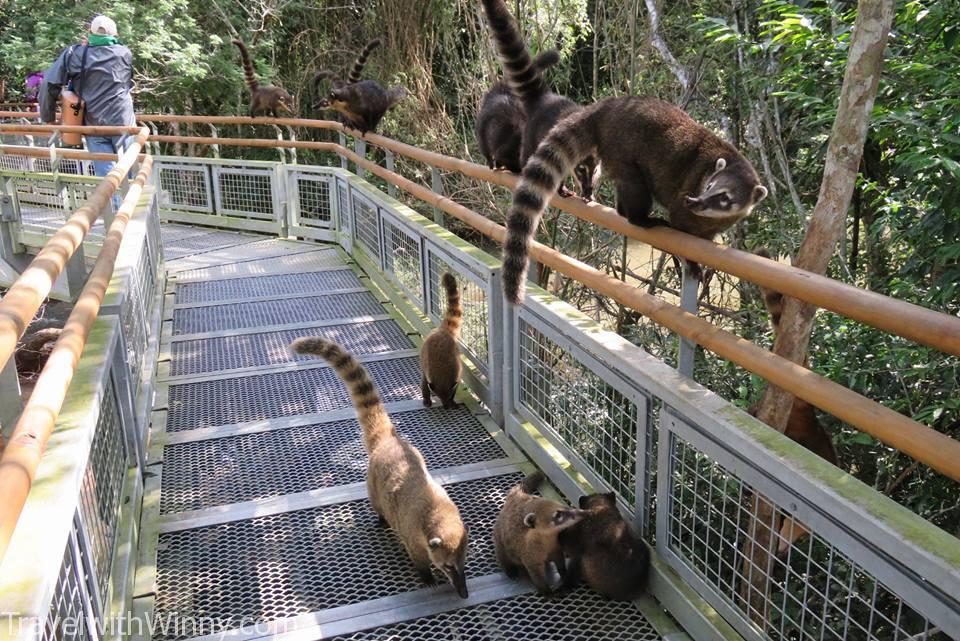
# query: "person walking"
100 71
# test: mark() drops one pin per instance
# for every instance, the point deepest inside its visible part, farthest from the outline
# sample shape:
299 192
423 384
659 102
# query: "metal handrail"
22 455
28 292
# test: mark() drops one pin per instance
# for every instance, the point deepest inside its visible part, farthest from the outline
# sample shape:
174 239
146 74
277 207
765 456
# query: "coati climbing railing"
587 405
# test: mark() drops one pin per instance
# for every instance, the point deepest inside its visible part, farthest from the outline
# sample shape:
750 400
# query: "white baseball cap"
103 25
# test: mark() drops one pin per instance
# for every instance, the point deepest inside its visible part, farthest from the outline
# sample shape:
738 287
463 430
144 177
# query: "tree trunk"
827 224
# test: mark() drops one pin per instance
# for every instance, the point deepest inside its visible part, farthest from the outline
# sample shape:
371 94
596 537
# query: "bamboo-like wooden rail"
43 152
920 442
67 129
28 292
916 323
21 457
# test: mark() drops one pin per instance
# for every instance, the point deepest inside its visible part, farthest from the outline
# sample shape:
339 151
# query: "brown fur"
803 426
543 108
263 98
526 531
604 552
652 151
440 353
401 490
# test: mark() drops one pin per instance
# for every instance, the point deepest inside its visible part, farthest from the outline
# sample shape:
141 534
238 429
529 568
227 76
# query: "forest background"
764 73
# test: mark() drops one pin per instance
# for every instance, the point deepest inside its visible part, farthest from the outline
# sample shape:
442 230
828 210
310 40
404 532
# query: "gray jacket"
105 85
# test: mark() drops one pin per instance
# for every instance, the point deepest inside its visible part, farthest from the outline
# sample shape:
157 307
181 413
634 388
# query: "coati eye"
724 200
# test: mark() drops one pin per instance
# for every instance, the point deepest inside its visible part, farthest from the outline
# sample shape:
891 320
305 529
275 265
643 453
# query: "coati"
543 108
361 102
440 354
401 490
651 150
502 118
263 98
803 426
526 532
603 551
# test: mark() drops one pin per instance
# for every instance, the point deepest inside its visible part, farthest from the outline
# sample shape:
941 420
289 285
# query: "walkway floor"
258 502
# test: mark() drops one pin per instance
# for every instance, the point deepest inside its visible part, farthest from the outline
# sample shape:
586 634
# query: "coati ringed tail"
400 488
361 61
263 98
543 108
440 353
652 151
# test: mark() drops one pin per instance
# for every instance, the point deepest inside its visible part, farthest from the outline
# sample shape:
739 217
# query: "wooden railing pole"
22 455
28 292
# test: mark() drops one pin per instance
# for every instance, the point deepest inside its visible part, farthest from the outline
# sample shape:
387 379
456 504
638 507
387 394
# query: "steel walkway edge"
255 521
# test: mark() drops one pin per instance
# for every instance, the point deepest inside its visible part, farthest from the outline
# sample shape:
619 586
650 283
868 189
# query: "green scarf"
98 40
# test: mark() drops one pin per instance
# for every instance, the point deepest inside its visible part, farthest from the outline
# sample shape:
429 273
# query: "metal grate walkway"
256 521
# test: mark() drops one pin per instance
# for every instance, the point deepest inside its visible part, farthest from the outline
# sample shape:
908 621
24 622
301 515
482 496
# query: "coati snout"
450 557
559 519
587 174
726 193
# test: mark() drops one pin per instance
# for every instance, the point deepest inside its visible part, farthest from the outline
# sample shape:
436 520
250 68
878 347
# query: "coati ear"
759 193
530 520
610 498
584 501
434 543
721 165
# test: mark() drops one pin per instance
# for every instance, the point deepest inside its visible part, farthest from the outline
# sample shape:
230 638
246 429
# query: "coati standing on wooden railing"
651 150
401 490
803 426
542 106
263 98
525 535
362 103
502 118
440 353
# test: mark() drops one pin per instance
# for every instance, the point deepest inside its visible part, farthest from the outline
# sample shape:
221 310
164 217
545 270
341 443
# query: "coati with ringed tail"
525 535
263 98
362 103
502 118
401 490
652 151
604 553
803 426
543 107
440 354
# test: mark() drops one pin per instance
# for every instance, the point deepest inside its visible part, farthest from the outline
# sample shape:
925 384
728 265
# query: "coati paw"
427 576
427 401
565 192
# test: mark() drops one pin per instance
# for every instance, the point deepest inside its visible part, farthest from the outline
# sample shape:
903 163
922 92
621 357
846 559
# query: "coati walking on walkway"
361 102
440 354
803 426
542 106
401 490
604 553
263 98
653 151
526 532
502 118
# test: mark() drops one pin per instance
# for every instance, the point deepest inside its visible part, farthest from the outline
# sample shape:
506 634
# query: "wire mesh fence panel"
474 333
402 257
102 488
245 192
366 226
594 422
12 162
813 591
68 618
185 187
312 197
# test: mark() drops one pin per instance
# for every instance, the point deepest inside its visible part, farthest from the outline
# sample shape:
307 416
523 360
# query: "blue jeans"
108 145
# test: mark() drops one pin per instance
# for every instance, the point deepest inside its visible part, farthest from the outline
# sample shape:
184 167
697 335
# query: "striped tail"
248 71
522 74
546 59
453 319
772 299
567 144
371 414
362 61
